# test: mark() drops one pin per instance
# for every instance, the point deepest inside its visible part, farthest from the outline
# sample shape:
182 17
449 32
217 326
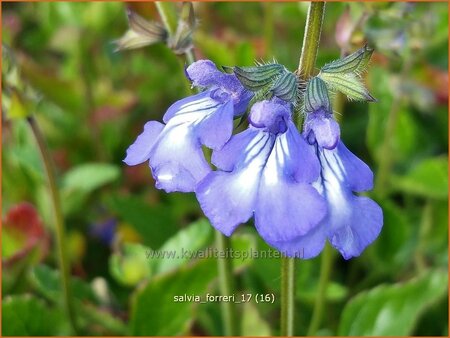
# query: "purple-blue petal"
228 198
229 156
216 129
177 159
362 228
286 208
358 174
203 73
304 247
299 159
225 201
353 222
173 176
326 132
241 101
269 116
192 107
139 151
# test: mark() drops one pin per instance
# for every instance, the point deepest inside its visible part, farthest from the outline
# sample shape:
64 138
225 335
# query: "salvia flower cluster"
298 186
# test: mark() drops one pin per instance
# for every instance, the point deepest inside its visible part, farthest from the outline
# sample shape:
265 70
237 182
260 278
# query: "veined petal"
177 159
362 227
297 158
139 151
216 129
353 222
192 108
228 198
304 247
287 208
357 174
231 153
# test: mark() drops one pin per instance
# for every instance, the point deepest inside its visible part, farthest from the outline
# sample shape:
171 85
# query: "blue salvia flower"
174 149
266 171
300 188
352 222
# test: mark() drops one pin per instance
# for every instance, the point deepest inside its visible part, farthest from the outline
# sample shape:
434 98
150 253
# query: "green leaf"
26 315
47 281
154 223
335 292
130 266
355 62
243 244
134 262
392 248
96 316
17 108
155 309
252 322
90 176
258 77
349 84
66 94
406 140
392 310
82 180
185 244
427 179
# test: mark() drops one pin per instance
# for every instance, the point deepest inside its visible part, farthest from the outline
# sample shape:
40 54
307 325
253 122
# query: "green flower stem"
59 222
305 70
325 270
386 160
226 284
268 25
167 12
426 225
190 57
287 296
311 39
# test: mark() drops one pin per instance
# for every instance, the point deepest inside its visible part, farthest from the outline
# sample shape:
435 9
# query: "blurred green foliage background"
59 64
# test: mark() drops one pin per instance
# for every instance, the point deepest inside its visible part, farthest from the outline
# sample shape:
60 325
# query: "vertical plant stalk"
59 222
168 13
325 270
311 38
226 284
268 25
287 296
426 225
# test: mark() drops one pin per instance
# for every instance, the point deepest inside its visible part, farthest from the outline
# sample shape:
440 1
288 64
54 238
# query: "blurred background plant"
60 66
